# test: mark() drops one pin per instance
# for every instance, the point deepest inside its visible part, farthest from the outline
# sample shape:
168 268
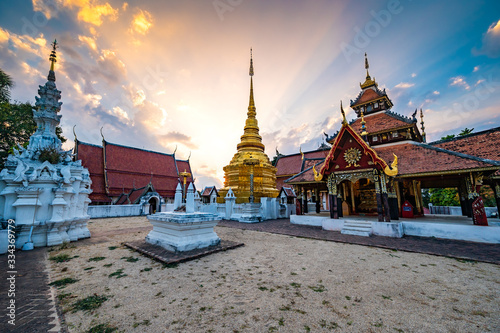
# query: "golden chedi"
250 159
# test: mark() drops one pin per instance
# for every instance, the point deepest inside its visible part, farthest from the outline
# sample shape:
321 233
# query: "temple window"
394 134
374 138
375 105
369 108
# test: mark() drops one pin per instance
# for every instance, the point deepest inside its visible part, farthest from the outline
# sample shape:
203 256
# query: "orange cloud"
90 11
142 22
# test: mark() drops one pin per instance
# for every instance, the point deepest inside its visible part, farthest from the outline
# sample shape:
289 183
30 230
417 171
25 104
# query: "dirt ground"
274 283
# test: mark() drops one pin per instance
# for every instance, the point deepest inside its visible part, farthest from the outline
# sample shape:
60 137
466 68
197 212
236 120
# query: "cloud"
413 74
92 13
142 22
46 7
435 92
89 41
404 85
476 68
178 138
491 42
459 81
110 67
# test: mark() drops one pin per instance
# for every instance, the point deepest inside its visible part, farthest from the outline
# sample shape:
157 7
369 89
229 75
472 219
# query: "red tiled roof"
129 168
207 191
307 175
91 157
292 164
289 192
416 158
367 95
381 121
184 165
483 144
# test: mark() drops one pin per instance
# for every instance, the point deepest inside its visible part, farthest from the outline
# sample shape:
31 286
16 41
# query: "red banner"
478 212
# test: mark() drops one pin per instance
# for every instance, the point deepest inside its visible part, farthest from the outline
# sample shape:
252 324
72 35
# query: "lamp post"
184 175
251 162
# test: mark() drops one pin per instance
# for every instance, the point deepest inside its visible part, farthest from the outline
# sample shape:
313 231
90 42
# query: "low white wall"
102 211
332 224
316 221
457 210
388 229
473 233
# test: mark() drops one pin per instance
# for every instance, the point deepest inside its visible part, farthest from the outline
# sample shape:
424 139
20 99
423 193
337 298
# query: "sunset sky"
161 74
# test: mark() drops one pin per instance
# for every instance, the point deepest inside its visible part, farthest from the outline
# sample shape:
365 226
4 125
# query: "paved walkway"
489 253
35 307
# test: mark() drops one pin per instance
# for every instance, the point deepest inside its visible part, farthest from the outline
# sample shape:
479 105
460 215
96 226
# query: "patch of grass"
173 265
466 261
398 330
118 274
88 268
295 285
63 296
63 257
293 273
307 328
263 288
285 308
89 303
111 248
348 298
63 282
147 269
404 265
102 328
107 265
272 329
300 311
386 297
130 259
281 322
330 326
97 258
144 322
319 288
479 313
377 324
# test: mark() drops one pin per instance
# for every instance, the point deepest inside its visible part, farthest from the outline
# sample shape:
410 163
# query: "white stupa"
41 188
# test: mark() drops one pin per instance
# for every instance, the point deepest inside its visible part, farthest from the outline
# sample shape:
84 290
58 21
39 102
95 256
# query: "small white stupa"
41 188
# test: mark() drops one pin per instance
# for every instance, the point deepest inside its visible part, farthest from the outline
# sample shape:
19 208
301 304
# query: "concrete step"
358 228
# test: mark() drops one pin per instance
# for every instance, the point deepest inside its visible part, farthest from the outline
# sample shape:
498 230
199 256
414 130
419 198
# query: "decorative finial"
189 156
367 66
301 153
422 124
53 60
175 150
363 122
74 133
103 140
344 121
251 63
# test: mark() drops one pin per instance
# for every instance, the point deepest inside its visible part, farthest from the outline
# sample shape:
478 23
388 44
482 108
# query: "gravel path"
275 283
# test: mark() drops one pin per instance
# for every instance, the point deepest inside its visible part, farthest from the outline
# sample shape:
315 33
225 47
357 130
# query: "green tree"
444 197
451 136
465 131
6 84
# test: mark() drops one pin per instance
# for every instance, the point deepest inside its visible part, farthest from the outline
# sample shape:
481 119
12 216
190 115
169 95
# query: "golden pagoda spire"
251 140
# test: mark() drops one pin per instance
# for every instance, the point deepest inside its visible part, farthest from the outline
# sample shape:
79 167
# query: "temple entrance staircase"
357 227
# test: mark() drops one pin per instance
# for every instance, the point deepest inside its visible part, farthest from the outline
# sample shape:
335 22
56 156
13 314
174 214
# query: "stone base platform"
178 231
167 257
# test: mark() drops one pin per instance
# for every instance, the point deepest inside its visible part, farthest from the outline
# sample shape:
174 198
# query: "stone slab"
167 257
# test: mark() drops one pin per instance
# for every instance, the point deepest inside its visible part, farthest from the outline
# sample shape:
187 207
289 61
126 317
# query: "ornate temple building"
380 161
127 175
250 174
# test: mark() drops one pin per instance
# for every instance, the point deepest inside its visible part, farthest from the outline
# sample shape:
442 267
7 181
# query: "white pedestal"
177 232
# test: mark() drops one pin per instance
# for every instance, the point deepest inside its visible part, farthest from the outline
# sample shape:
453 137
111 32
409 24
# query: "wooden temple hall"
379 162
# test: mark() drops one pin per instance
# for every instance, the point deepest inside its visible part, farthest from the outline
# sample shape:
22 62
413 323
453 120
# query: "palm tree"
6 84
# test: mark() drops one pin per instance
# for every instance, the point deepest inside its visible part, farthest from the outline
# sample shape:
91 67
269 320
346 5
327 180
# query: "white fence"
457 210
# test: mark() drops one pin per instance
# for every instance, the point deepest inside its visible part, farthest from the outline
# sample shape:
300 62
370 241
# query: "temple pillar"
317 201
496 190
418 196
385 198
378 196
353 202
304 203
332 195
393 200
471 193
462 196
